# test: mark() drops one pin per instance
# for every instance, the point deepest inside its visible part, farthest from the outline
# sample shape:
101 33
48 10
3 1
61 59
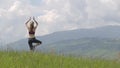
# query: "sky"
55 15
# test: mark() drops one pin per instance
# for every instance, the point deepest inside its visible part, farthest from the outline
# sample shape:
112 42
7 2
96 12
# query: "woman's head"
31 25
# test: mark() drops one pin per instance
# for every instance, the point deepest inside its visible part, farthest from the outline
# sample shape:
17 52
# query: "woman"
31 29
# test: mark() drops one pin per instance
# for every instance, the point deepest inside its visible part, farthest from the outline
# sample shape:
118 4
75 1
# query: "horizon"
88 29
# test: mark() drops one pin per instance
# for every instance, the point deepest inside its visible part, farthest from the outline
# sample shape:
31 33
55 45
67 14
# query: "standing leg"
30 45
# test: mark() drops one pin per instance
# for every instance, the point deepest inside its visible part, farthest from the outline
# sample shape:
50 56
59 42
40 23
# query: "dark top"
31 32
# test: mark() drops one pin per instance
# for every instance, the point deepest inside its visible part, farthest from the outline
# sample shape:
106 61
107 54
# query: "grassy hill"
41 60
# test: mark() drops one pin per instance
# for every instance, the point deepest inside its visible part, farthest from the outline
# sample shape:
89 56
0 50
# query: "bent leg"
37 42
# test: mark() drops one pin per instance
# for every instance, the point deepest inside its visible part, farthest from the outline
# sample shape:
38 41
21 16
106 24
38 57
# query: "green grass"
41 60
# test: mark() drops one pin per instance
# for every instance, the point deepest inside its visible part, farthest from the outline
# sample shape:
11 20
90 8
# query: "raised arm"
27 22
35 22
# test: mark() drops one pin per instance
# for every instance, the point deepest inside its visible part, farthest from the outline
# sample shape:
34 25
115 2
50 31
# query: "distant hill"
89 47
100 32
96 42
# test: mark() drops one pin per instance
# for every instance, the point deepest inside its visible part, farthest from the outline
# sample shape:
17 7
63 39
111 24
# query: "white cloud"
49 17
15 6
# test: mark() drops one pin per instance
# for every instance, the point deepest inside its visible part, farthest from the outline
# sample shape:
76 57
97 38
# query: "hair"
31 25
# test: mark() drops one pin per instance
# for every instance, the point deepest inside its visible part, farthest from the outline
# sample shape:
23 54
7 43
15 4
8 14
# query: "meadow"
13 59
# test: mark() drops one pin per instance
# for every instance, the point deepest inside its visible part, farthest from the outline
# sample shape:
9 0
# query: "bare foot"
37 44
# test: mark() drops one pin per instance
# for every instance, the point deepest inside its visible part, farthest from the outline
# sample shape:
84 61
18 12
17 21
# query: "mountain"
102 41
90 47
101 32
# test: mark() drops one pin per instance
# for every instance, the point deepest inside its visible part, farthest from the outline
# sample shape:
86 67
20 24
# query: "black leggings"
31 41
